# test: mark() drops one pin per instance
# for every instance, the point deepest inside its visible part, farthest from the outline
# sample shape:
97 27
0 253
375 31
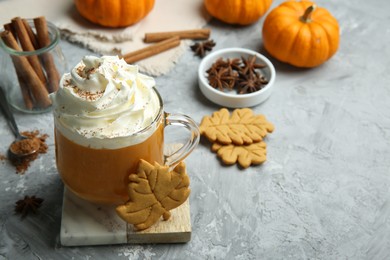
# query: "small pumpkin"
114 13
241 12
300 33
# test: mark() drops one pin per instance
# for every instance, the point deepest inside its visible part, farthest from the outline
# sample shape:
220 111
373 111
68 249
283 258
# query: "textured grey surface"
324 192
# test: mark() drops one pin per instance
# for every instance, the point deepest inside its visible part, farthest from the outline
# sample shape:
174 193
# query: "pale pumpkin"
114 13
301 34
241 12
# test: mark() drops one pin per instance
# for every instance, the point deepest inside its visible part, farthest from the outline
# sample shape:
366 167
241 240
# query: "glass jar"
28 77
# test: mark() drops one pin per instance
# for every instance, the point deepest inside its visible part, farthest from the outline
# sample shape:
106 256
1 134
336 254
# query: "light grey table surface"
324 192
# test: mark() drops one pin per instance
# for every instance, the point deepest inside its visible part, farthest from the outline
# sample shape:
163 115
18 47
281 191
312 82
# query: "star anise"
215 66
27 205
200 48
221 78
250 65
242 74
249 83
231 64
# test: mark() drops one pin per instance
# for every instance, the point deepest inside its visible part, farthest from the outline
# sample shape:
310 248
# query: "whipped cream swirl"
104 98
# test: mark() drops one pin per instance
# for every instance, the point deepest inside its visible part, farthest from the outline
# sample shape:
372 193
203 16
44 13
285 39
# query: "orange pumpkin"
300 33
114 13
242 12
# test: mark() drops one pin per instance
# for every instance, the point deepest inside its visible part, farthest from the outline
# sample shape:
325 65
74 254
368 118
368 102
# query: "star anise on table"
200 48
250 66
222 78
251 82
28 204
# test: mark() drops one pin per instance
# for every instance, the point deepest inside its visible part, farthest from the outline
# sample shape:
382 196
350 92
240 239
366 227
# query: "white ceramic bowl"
232 98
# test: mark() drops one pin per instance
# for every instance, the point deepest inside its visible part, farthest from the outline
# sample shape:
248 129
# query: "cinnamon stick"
10 28
27 45
25 70
31 34
28 102
196 34
48 61
152 50
23 85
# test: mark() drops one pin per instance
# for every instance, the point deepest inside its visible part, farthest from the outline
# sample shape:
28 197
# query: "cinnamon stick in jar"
48 61
196 34
31 34
151 50
9 27
24 69
27 99
27 45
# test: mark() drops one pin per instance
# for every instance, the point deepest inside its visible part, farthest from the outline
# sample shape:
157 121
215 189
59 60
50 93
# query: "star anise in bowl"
251 82
236 77
222 78
231 64
243 74
250 65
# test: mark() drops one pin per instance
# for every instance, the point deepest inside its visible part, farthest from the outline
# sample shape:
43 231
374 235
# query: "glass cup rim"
52 29
156 119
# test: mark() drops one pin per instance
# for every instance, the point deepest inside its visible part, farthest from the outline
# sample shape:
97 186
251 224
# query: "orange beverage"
101 175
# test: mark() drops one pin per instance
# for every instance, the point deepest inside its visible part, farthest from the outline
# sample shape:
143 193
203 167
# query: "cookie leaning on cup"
154 190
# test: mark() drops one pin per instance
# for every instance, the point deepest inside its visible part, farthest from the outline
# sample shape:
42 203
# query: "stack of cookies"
237 138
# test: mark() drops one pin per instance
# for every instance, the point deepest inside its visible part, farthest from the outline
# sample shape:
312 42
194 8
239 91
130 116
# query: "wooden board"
177 229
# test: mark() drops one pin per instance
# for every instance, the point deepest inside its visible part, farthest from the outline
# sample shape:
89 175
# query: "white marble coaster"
84 223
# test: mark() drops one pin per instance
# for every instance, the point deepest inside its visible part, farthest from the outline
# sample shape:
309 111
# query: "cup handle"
187 122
